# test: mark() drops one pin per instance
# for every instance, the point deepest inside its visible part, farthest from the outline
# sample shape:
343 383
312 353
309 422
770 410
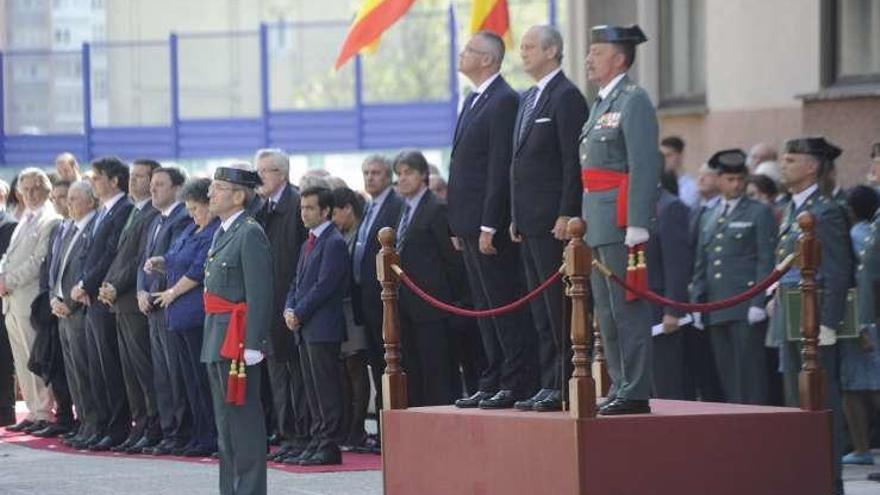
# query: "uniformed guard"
804 163
734 252
620 169
238 307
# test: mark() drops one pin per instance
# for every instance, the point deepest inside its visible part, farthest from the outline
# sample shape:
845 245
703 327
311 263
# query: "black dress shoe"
20 426
606 401
105 444
35 426
371 445
53 430
529 404
553 402
198 452
70 434
504 399
324 457
162 448
139 446
295 460
622 406
474 400
124 446
275 439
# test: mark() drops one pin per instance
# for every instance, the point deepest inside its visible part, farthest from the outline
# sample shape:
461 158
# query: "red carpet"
350 461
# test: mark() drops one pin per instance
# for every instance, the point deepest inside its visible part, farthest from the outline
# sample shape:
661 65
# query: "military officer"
620 169
735 251
238 283
803 165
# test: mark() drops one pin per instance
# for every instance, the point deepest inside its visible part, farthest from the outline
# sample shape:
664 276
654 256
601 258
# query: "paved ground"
30 471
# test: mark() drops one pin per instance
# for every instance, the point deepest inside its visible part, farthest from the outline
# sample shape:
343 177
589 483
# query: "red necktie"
310 244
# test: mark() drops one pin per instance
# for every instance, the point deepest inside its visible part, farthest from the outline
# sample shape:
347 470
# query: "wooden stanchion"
599 366
578 264
394 378
811 380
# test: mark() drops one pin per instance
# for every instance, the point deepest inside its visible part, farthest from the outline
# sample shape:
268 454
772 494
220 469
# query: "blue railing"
152 130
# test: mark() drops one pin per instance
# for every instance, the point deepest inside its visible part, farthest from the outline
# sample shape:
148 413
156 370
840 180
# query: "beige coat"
20 265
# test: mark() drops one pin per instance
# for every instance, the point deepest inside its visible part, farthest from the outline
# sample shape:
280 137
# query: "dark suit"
427 255
171 402
545 185
72 330
7 371
479 196
285 230
315 297
366 303
105 371
134 331
671 259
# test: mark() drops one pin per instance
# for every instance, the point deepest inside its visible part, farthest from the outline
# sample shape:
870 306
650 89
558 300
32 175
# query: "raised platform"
681 448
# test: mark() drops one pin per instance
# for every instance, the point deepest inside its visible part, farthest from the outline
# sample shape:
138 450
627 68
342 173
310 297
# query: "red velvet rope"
655 298
475 313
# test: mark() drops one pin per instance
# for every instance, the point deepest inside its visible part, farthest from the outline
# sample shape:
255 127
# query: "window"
682 58
853 56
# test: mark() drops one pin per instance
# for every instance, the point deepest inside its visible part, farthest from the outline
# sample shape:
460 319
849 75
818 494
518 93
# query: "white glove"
827 335
636 236
698 321
252 357
756 315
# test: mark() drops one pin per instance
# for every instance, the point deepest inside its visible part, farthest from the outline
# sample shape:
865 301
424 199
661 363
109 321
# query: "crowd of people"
148 312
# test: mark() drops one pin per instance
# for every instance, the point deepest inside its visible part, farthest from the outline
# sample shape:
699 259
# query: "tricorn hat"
816 146
247 178
732 161
630 35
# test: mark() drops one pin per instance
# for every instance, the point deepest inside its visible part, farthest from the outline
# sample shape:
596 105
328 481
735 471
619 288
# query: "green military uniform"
734 252
834 277
621 136
239 269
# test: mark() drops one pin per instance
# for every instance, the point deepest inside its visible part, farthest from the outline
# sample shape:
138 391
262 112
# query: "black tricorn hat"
875 150
630 35
732 161
247 178
816 146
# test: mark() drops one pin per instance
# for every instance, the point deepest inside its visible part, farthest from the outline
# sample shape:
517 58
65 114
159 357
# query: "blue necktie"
404 224
528 111
360 244
101 214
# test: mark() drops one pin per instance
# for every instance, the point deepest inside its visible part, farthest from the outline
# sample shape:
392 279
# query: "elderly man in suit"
621 170
110 182
426 253
119 290
804 163
281 221
735 251
382 210
19 286
238 281
545 193
7 368
315 314
71 314
171 401
479 214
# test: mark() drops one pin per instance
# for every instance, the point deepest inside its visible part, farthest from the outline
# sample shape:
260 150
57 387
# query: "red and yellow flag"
373 18
491 15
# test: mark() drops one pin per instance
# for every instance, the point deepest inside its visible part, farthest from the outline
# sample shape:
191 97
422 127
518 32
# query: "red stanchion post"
578 263
811 380
394 378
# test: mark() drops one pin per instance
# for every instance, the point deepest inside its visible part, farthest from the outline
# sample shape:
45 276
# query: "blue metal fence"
242 113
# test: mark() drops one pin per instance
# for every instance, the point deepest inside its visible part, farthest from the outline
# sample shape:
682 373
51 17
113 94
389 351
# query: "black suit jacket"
366 301
158 243
102 246
669 253
427 255
69 271
286 233
545 173
7 226
123 272
479 172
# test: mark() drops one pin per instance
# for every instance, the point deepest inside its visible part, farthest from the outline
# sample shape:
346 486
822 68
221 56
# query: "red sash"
233 344
598 180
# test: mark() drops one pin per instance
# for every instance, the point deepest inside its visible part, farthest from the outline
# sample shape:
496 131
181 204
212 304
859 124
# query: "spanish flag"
491 15
373 18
